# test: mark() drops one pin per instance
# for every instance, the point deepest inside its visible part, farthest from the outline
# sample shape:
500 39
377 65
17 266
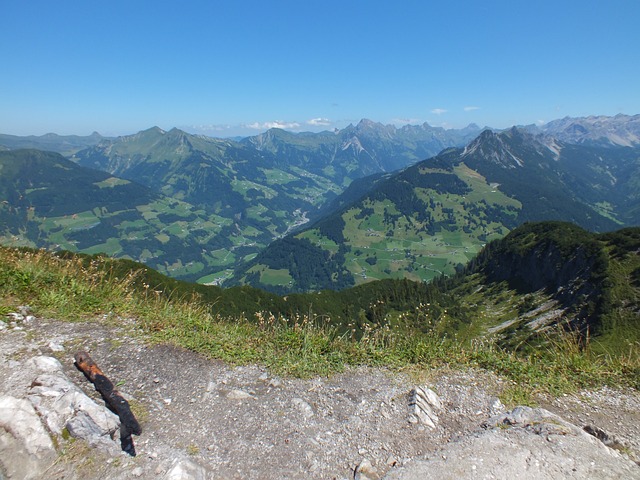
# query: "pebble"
275 383
365 470
391 461
238 395
303 407
56 347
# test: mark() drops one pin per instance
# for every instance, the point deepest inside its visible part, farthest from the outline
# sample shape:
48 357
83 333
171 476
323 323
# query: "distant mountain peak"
621 130
366 123
495 147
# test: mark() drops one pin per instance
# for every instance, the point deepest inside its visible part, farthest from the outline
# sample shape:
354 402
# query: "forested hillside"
433 217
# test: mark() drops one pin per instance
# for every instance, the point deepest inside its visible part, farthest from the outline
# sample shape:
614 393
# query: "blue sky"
237 67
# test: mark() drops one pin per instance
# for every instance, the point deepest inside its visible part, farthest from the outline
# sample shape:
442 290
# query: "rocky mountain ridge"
619 130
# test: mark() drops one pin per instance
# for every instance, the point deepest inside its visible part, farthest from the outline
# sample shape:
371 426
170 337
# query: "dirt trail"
245 423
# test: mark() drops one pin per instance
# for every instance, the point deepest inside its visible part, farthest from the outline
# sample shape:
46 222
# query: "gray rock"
525 443
275 383
423 405
61 404
56 347
184 469
137 472
237 394
303 407
26 449
366 471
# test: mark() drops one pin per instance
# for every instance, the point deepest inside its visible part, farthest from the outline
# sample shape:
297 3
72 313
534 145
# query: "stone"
275 383
137 472
62 404
366 471
423 404
26 449
526 443
239 395
56 347
184 469
19 418
303 407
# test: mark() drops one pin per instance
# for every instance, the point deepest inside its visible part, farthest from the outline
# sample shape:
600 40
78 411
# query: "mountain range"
65 144
263 186
205 208
434 216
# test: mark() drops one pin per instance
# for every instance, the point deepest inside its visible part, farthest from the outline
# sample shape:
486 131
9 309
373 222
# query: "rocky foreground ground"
203 419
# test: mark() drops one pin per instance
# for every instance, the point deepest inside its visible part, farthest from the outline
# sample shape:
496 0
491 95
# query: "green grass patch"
77 288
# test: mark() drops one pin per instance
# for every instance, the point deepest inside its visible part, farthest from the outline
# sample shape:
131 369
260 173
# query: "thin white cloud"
319 122
471 109
273 124
438 111
406 121
208 128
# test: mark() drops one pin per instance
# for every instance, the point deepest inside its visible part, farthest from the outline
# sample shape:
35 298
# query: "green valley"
433 217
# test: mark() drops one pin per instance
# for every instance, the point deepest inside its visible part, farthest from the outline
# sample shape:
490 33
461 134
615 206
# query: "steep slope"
434 216
49 201
590 186
553 274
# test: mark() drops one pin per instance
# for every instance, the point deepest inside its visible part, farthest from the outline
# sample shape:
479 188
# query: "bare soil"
242 422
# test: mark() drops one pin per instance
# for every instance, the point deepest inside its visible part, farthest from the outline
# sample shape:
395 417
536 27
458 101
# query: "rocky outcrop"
48 409
62 405
525 443
26 450
563 260
424 406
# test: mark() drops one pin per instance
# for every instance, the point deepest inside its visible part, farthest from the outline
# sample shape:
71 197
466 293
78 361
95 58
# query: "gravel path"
245 423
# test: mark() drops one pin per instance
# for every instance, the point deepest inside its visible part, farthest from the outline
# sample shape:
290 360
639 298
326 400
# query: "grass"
75 289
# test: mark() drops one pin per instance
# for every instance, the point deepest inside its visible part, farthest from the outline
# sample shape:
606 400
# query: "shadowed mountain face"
49 201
